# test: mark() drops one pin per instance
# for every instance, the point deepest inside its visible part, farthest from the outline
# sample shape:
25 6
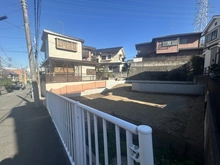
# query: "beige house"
212 42
112 59
64 59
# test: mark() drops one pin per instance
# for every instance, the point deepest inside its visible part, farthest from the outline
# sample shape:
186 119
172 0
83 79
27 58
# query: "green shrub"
7 83
197 65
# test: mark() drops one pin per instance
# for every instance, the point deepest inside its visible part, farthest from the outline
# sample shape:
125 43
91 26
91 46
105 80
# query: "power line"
103 7
4 51
11 27
119 18
9 5
12 37
18 51
14 25
15 11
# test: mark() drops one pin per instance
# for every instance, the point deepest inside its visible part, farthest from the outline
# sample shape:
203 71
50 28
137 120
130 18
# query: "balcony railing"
79 128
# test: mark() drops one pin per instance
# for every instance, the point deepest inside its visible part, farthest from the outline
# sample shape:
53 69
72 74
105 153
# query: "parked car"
17 87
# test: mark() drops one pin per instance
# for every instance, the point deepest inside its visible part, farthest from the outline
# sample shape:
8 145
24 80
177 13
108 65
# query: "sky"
101 23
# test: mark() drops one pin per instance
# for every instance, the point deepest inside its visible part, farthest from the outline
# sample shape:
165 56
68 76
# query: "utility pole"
37 67
1 67
30 53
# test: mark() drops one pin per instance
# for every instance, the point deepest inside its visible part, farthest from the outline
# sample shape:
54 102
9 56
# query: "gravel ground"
178 115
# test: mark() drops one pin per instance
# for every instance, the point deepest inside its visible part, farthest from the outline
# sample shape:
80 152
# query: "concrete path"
27 134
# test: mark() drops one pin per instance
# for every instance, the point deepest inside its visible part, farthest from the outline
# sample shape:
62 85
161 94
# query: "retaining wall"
169 88
79 88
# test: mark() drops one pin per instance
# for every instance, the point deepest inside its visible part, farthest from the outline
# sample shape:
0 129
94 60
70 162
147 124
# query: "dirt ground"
178 115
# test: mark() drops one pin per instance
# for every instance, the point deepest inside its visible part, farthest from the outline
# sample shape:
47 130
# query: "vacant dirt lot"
181 116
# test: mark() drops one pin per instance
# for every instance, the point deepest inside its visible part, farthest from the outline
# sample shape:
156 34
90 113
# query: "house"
21 74
10 74
187 44
64 59
88 53
166 58
212 42
112 59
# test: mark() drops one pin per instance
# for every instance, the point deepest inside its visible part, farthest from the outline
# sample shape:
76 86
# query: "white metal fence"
79 128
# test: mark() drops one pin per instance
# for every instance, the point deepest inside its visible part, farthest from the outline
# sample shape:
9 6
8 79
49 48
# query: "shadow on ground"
178 126
37 141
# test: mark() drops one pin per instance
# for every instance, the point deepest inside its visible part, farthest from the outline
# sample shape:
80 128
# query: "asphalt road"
27 135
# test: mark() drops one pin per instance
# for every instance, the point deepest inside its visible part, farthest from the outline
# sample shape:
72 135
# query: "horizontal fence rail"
92 137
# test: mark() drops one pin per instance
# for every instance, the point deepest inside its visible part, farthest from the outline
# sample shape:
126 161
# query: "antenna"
201 18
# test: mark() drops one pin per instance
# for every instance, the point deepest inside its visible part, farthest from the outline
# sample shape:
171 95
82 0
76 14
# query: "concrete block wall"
169 88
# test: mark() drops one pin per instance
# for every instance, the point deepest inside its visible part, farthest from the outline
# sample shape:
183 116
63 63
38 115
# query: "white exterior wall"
46 49
86 67
86 77
207 58
58 53
117 57
212 26
211 29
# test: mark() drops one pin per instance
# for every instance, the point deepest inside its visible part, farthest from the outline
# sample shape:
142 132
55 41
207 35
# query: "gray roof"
88 47
209 24
179 35
108 50
170 36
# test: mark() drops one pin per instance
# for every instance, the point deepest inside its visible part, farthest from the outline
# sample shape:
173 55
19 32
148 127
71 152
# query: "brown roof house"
187 44
166 57
212 42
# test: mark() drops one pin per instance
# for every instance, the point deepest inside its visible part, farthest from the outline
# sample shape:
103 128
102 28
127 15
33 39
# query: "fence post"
145 145
78 135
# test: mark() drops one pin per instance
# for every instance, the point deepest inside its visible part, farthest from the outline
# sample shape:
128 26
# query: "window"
109 56
169 42
103 57
212 36
183 41
110 68
66 45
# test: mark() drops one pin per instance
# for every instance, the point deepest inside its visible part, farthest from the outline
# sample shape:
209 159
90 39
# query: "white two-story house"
112 59
64 59
212 42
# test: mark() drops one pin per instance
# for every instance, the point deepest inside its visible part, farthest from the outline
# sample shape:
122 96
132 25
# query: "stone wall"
160 68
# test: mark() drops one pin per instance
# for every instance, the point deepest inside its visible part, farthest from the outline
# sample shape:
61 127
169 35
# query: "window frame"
169 42
212 35
110 67
183 41
103 57
66 45
110 57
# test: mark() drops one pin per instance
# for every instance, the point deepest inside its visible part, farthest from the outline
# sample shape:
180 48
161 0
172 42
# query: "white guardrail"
78 127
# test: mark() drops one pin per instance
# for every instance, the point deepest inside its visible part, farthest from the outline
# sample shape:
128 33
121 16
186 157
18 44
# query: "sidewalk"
27 134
